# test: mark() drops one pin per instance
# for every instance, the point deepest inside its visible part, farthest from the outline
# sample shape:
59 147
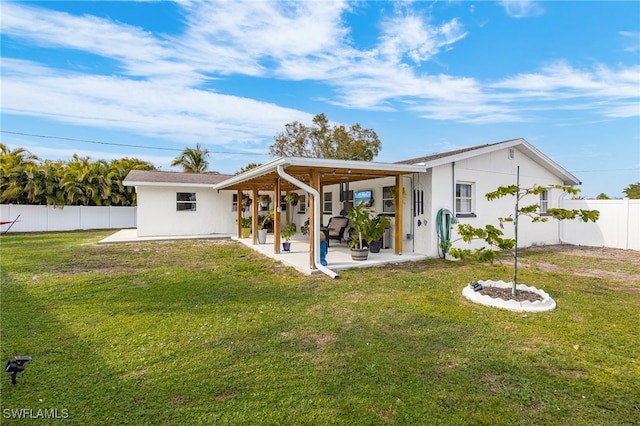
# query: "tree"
25 180
603 196
494 237
193 160
321 140
14 165
632 191
248 167
119 169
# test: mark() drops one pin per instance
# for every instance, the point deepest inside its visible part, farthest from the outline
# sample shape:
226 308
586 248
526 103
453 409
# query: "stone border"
547 303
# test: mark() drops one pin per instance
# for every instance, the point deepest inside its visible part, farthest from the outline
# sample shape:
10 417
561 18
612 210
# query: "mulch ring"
505 294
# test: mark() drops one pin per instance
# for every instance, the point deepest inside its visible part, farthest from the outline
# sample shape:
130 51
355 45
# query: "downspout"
316 220
453 188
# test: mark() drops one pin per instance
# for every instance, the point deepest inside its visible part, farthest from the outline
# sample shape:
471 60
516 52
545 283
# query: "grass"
201 332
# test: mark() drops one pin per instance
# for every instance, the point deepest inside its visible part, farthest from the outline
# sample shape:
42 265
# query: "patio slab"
338 256
131 236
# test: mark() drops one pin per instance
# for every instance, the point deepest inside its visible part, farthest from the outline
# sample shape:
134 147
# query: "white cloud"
411 36
601 89
630 40
161 89
235 37
138 52
151 108
522 8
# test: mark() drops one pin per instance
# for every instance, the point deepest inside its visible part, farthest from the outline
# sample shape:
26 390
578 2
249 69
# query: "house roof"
335 171
520 144
331 172
158 178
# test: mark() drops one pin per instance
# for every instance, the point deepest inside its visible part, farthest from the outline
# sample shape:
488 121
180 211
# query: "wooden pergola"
314 173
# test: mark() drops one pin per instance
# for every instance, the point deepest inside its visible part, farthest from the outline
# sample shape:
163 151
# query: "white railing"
617 227
67 218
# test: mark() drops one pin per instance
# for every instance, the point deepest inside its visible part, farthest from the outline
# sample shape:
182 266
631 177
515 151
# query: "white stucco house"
173 203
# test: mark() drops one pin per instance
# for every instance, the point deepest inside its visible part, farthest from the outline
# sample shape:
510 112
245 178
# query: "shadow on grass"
66 377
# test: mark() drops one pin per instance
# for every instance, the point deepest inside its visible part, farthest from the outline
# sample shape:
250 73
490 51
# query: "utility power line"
123 144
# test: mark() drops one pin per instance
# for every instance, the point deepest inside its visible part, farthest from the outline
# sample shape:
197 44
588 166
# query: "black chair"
336 227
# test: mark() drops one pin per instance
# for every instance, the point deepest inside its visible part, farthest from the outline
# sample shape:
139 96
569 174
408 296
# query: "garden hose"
443 230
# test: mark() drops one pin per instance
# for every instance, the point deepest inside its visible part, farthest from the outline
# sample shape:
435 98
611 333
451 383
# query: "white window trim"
325 201
185 202
472 198
386 206
543 202
234 203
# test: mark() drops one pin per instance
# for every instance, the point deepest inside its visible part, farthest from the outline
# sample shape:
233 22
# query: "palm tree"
193 160
118 170
51 174
14 165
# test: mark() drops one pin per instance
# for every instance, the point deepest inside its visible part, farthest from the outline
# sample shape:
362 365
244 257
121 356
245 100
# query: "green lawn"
202 332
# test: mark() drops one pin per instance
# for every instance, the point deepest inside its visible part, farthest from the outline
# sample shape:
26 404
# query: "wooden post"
399 213
315 184
254 215
276 216
287 213
239 212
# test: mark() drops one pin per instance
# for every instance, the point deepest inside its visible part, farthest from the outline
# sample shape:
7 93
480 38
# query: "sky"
148 79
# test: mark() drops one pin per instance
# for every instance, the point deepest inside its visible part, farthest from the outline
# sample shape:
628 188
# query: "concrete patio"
338 256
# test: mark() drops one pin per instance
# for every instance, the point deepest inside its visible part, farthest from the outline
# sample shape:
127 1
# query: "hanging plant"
292 198
264 200
246 201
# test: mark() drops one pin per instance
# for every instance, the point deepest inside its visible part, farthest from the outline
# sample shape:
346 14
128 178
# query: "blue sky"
426 76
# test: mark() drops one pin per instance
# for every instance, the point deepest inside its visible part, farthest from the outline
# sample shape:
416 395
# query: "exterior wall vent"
512 153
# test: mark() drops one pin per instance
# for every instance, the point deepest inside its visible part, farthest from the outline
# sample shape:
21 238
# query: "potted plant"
246 201
304 228
264 200
262 227
376 231
292 197
286 234
361 222
246 227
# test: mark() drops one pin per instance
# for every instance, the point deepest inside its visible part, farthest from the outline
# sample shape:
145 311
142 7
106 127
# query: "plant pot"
286 246
262 236
375 246
246 232
359 254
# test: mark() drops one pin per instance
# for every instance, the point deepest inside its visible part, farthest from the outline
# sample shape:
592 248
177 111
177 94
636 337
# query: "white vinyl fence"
617 227
67 218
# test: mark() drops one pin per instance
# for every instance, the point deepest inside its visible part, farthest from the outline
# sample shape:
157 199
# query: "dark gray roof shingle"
152 176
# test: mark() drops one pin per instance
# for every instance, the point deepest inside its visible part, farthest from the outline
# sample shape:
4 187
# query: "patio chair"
336 227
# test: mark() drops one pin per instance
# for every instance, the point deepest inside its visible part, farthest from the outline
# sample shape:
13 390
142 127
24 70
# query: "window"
327 203
302 204
388 201
544 201
186 201
234 203
464 198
